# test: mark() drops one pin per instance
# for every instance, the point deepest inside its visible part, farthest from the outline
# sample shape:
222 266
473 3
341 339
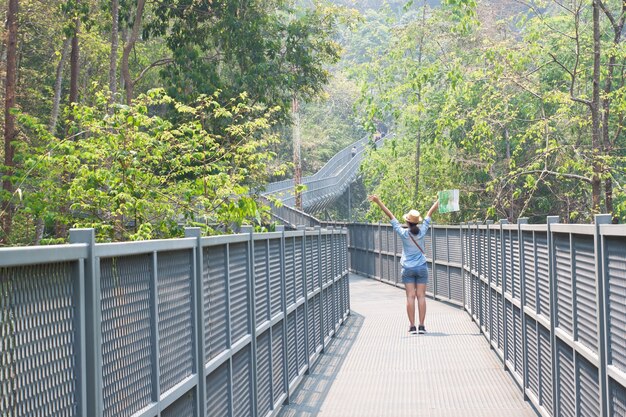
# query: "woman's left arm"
432 209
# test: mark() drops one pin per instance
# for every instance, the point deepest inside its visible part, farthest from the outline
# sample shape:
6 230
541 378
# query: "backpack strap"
415 241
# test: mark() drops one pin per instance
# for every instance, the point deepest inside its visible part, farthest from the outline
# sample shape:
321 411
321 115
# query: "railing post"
380 253
92 338
283 299
319 277
502 249
306 300
601 300
433 263
550 220
396 261
447 268
470 261
198 317
479 283
520 240
489 270
252 316
462 243
154 323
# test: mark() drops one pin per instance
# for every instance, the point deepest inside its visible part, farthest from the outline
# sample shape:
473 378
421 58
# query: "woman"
413 260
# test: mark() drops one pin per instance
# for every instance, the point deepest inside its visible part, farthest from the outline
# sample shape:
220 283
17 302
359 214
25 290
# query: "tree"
128 47
10 132
265 48
115 19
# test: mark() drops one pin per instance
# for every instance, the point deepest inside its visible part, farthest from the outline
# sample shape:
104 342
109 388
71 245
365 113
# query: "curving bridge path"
322 188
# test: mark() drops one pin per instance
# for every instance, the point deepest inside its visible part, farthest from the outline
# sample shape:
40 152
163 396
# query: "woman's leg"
410 301
420 290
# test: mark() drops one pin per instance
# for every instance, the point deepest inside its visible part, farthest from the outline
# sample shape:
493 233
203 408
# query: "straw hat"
413 216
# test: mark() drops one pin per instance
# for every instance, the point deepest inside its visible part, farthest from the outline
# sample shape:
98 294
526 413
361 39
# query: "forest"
141 117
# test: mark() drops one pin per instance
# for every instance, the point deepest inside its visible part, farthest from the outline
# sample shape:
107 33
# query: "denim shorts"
415 275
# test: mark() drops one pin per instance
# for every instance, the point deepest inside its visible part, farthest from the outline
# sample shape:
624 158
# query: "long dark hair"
413 228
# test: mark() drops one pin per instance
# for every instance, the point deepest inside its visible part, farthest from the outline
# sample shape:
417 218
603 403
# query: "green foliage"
132 175
502 111
266 48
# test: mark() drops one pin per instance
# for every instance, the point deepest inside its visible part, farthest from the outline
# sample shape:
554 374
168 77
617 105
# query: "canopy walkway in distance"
322 188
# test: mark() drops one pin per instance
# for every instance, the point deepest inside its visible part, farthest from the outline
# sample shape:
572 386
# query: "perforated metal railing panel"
218 393
126 334
216 338
585 293
175 277
185 406
38 341
616 268
564 284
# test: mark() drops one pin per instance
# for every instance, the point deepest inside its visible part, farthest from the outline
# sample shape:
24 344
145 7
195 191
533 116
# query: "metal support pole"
198 317
520 222
489 271
462 243
380 255
503 289
396 259
318 279
601 299
251 315
552 285
433 261
283 298
83 273
154 324
305 289
93 323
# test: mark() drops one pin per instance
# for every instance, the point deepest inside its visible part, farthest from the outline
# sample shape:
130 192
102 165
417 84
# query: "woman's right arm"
376 199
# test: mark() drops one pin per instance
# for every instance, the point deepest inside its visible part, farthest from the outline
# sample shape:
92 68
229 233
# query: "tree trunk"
596 128
507 140
74 66
297 165
418 145
58 85
61 225
128 48
10 132
115 6
618 26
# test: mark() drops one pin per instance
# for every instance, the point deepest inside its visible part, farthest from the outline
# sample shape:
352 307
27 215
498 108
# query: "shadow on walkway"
315 387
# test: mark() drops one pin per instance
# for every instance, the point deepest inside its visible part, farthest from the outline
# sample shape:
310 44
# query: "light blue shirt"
411 255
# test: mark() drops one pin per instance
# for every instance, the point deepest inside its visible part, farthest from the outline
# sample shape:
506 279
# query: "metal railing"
290 217
329 183
213 326
550 299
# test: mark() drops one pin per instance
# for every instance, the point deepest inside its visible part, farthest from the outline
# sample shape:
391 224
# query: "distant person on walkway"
413 260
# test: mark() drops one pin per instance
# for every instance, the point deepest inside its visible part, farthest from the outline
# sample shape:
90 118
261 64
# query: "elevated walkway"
325 186
374 368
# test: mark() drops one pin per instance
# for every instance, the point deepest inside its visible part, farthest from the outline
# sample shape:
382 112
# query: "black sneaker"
412 330
421 329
